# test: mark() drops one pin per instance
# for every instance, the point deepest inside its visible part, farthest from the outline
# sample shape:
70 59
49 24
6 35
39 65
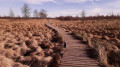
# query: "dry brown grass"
27 43
103 36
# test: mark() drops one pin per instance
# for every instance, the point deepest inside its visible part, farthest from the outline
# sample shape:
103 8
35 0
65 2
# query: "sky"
57 8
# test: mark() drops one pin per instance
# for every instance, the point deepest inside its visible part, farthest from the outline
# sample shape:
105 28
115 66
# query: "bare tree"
11 13
26 10
83 15
43 14
35 13
112 14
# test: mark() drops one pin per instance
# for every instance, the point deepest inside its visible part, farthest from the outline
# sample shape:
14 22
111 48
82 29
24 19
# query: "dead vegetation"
28 43
103 36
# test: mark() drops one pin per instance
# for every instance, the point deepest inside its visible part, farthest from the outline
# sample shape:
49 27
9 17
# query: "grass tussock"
29 43
102 36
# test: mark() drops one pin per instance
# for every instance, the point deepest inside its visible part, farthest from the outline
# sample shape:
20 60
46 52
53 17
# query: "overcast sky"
62 7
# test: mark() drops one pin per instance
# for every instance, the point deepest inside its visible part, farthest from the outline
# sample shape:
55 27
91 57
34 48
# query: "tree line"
98 17
84 17
26 12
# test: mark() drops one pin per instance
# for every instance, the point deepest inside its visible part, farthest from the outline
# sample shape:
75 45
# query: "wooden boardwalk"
75 54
